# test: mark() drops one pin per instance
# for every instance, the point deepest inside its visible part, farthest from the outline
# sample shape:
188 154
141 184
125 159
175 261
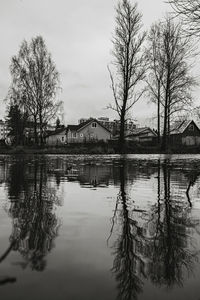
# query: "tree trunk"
41 130
164 137
165 130
35 131
122 133
168 123
158 112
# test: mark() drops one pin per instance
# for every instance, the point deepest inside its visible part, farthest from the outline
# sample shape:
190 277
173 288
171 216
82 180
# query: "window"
191 127
81 135
63 138
94 125
74 134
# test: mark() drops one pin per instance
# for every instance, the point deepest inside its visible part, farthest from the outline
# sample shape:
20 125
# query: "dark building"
185 133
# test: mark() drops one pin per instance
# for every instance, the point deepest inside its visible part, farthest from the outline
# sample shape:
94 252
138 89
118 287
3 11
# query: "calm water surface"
107 227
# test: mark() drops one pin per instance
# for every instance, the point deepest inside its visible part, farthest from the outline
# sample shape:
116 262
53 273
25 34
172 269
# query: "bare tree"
189 12
128 62
35 82
169 57
155 63
178 81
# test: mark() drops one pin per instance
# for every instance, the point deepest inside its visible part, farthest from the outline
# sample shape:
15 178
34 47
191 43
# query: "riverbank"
97 149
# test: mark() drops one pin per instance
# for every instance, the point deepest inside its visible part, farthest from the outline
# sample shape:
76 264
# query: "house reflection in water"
88 174
94 175
3 171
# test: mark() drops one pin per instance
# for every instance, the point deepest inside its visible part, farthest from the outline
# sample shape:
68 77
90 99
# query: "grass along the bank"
97 148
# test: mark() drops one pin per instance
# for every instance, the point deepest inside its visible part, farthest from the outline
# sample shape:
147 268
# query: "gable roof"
84 124
180 126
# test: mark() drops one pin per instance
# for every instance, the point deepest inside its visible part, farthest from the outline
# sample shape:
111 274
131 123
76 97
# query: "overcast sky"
78 35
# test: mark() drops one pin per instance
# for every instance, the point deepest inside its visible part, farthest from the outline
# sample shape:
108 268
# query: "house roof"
180 126
136 132
83 124
72 127
49 132
142 130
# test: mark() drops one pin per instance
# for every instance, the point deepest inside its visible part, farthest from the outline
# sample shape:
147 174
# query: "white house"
90 130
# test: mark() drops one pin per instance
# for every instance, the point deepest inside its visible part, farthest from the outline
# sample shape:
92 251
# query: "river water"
100 227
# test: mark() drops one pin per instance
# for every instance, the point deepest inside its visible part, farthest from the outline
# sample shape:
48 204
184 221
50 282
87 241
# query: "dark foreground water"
100 228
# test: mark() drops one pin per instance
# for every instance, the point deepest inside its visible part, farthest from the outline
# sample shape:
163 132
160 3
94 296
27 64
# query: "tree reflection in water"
162 248
192 176
127 263
174 253
35 225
